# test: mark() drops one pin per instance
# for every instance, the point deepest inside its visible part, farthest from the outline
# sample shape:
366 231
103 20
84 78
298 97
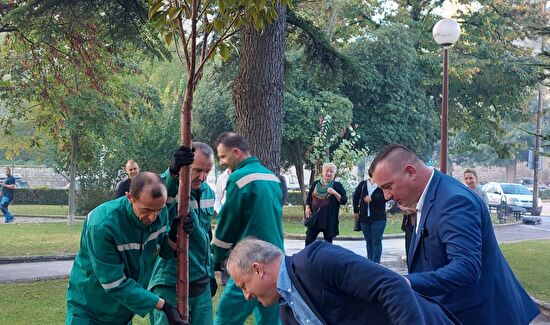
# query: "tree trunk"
511 171
72 178
331 22
296 152
258 91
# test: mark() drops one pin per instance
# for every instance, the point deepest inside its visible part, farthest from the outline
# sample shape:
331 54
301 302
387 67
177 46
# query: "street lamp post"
445 32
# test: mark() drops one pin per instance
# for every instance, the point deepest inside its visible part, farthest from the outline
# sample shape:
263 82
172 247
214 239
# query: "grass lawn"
530 261
39 239
31 210
46 300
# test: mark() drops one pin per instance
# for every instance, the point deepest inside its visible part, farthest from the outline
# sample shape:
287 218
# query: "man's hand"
367 199
187 227
172 315
184 156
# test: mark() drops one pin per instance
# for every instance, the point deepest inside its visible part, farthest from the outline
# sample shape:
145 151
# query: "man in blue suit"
454 256
327 284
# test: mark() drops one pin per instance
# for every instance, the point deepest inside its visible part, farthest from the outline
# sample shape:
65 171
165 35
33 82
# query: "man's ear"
236 152
258 268
130 197
410 170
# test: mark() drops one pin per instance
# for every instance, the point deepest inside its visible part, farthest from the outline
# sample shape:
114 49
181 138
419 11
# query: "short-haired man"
252 208
454 256
201 271
328 284
119 244
132 169
8 188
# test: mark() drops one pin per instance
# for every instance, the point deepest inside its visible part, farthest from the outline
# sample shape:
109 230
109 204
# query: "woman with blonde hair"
324 198
471 180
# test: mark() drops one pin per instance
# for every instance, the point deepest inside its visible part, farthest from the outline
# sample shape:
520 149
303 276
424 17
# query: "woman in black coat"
369 207
325 196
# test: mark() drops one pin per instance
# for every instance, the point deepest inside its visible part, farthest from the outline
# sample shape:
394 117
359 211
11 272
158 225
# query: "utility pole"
537 152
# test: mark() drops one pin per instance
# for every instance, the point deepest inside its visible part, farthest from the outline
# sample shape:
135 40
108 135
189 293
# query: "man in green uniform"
252 208
119 243
201 273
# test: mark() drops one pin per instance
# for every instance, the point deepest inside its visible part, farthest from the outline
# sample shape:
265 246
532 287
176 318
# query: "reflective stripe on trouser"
200 307
234 309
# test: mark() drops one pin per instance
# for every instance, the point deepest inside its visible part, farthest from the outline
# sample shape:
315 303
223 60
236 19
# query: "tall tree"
258 90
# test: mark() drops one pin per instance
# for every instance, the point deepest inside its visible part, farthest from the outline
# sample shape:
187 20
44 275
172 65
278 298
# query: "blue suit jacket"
455 258
341 287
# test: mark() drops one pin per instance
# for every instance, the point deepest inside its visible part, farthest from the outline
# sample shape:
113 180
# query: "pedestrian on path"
253 207
454 256
324 198
314 286
369 208
8 189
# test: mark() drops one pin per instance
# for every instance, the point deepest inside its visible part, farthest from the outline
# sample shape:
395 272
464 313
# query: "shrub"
42 196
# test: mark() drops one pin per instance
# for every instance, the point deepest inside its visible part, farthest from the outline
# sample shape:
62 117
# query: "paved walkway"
392 252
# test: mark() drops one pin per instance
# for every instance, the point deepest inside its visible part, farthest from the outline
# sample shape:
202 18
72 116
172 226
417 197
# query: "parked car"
19 181
528 182
513 195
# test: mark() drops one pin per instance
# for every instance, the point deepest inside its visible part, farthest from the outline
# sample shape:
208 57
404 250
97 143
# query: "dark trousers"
373 231
313 232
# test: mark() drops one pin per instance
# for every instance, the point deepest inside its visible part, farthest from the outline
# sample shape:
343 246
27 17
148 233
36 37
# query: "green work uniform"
252 208
111 271
163 280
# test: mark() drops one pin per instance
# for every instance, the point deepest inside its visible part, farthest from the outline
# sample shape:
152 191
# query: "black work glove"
223 270
182 157
172 315
213 286
187 227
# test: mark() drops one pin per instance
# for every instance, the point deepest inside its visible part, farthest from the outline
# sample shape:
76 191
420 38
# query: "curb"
36 258
345 238
46 216
500 225
543 306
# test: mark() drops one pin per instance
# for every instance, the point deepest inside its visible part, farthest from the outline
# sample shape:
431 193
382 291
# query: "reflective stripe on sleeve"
207 203
127 247
222 244
256 177
114 284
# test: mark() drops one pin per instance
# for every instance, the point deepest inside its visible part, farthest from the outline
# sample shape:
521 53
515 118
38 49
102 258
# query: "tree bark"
511 171
258 91
72 178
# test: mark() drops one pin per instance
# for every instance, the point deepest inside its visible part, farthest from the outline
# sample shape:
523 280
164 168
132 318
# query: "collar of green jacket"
247 161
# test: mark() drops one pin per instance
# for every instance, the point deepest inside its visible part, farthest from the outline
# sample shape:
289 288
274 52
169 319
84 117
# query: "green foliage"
338 148
392 105
201 29
214 112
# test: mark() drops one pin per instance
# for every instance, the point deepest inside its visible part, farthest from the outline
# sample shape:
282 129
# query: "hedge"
41 196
